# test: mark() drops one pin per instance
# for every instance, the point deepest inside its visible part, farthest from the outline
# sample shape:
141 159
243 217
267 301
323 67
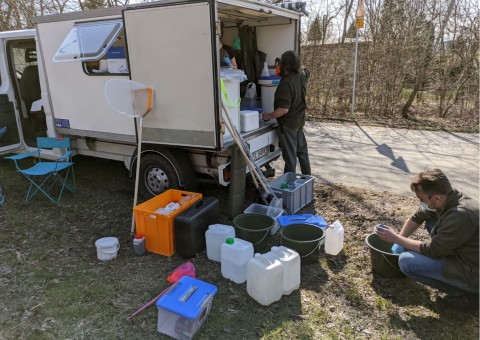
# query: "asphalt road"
386 159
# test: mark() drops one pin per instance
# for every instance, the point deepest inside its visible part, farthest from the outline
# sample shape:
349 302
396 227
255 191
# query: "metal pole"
137 172
352 113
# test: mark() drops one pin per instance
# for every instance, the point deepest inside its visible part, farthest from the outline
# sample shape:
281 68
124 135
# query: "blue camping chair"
44 175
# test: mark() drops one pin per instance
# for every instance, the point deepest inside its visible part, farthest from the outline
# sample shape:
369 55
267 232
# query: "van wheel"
156 175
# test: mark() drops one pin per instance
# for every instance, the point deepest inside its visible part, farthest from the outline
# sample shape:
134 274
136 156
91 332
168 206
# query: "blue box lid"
116 52
270 77
319 221
188 297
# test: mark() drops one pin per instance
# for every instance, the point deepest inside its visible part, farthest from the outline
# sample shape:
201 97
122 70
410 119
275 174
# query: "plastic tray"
293 199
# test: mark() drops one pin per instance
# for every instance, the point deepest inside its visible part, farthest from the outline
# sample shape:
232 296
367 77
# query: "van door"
17 68
171 49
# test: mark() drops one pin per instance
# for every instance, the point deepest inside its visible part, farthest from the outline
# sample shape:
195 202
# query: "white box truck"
171 46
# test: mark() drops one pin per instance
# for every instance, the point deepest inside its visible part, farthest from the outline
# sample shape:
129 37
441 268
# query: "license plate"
261 153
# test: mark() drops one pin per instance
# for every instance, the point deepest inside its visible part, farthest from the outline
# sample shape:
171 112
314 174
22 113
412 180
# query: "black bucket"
305 239
384 263
254 228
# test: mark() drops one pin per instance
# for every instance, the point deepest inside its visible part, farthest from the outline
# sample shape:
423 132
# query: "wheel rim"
156 180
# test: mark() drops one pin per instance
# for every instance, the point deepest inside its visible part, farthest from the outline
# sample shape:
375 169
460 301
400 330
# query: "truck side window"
113 62
98 45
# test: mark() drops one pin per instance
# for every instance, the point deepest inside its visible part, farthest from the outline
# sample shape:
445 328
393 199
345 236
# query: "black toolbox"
191 225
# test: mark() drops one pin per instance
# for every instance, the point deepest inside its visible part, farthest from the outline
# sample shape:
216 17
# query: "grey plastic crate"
294 199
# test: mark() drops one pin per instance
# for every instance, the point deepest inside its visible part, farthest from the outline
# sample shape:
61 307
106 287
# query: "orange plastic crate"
158 229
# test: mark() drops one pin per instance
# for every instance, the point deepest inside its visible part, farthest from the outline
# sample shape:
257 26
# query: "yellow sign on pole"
359 23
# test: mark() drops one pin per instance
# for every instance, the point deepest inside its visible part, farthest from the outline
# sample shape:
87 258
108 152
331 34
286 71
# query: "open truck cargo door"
170 48
19 88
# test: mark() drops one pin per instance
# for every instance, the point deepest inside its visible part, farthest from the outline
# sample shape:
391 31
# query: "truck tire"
156 175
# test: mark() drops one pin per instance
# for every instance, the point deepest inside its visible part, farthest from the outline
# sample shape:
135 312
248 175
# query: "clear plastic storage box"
274 213
184 308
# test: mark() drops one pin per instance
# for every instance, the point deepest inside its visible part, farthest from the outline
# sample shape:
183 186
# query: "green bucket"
305 239
384 263
254 228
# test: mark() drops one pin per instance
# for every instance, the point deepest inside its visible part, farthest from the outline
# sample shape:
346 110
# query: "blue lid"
188 298
259 109
116 52
270 77
319 221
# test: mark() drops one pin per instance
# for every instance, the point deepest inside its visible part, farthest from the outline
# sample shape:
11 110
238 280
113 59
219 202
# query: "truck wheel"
156 175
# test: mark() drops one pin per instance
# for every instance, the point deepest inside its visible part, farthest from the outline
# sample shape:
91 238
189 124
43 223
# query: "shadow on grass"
402 292
444 322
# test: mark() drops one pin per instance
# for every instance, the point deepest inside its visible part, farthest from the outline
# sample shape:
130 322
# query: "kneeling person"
449 261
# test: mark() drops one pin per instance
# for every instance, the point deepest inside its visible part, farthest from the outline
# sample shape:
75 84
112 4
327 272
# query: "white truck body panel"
77 97
171 46
178 65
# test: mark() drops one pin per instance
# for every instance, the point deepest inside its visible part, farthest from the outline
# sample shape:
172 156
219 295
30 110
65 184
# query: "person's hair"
431 182
290 61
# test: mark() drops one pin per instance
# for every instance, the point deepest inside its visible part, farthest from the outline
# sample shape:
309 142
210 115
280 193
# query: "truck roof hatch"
88 41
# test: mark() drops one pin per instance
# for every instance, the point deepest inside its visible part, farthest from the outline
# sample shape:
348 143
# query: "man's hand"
386 233
266 116
389 235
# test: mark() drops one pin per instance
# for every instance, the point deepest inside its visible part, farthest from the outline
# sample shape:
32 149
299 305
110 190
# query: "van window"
88 41
114 62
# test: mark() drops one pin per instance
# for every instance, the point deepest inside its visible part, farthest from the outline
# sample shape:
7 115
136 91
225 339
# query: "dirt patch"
53 286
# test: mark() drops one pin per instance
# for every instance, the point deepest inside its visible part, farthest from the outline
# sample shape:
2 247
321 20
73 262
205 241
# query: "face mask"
425 206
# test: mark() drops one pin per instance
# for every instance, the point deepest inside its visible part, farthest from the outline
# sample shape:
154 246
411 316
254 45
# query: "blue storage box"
116 52
319 221
184 308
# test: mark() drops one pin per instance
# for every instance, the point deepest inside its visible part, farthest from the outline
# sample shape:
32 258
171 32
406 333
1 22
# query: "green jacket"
454 237
290 94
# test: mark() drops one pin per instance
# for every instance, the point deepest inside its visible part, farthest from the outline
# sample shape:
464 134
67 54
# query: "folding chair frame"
45 174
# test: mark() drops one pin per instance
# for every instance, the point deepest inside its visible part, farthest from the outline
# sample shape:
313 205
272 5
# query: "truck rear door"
12 53
171 49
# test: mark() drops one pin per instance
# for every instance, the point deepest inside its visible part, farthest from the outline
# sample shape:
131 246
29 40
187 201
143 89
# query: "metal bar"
352 113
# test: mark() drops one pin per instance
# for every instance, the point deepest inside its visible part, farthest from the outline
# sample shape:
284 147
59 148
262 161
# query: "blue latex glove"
396 249
227 60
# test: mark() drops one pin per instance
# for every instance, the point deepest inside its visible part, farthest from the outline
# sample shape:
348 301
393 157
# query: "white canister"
215 236
264 279
334 238
235 254
107 248
290 260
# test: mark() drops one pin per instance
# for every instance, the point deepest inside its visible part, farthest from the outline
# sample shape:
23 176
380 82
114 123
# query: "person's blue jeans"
429 271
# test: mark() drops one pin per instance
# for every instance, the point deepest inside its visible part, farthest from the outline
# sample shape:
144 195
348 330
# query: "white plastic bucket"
107 248
232 89
268 95
269 86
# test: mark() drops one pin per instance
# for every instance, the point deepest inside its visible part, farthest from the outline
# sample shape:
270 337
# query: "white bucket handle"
106 252
310 253
264 236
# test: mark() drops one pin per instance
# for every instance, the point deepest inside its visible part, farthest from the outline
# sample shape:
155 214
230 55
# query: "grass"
53 286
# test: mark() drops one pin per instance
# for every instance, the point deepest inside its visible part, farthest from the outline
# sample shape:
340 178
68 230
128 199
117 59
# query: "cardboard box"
117 65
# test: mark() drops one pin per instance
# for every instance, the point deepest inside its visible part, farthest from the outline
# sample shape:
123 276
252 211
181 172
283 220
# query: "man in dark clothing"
450 260
289 105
